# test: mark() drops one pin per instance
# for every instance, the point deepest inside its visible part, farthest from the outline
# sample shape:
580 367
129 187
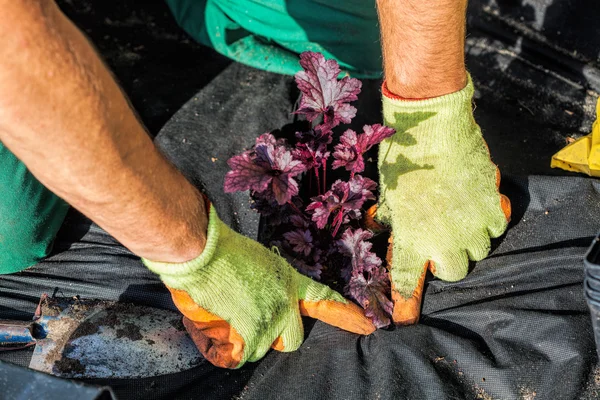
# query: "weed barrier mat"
516 327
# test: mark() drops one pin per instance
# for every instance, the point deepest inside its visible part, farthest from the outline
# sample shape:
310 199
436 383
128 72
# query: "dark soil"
153 59
177 323
86 328
129 331
69 366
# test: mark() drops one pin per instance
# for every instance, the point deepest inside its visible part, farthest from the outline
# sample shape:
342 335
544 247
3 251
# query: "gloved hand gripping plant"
439 194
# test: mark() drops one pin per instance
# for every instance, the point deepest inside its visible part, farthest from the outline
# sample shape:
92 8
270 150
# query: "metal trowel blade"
99 339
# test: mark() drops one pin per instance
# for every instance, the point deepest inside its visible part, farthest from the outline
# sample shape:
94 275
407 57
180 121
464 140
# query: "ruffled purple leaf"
375 134
349 153
301 241
345 198
270 165
312 270
299 221
311 156
368 282
354 244
311 148
321 134
246 174
321 209
322 93
370 290
307 264
265 204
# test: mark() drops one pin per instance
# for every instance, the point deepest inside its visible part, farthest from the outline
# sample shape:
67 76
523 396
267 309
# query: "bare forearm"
64 116
423 46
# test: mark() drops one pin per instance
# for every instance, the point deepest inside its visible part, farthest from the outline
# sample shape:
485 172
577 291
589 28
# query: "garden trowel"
76 338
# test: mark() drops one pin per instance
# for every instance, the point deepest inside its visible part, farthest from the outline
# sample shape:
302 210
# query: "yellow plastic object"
583 155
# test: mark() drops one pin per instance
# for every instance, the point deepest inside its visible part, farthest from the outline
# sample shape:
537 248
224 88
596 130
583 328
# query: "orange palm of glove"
223 346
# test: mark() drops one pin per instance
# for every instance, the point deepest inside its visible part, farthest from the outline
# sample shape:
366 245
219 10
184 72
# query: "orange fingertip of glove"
504 201
348 316
407 311
218 341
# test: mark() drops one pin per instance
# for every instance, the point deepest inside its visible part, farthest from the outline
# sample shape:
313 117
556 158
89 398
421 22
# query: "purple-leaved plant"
322 93
345 200
349 153
269 165
324 233
368 282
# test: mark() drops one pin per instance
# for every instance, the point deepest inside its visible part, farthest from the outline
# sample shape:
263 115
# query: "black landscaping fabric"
516 327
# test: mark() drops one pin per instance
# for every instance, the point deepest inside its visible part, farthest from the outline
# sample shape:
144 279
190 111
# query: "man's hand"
438 185
240 299
438 192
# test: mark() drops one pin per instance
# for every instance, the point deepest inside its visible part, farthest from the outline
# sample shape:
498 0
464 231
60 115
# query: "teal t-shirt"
269 34
30 215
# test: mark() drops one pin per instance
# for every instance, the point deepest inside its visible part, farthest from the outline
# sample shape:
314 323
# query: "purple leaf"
245 174
300 240
368 282
310 265
267 206
269 165
321 134
370 290
354 244
299 221
307 268
311 156
311 148
320 211
349 153
346 198
375 134
264 203
323 93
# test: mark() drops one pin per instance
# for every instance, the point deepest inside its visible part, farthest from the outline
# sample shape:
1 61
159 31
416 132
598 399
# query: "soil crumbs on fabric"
129 331
69 366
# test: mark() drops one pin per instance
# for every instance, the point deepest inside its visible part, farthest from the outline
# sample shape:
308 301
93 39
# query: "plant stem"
318 180
338 221
324 175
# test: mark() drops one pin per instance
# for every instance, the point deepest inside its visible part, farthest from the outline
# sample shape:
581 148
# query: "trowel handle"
19 334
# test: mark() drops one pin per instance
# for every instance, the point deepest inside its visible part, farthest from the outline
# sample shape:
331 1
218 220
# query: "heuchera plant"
327 229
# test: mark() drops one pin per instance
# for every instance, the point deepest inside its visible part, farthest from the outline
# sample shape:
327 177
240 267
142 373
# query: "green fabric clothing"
437 188
269 34
255 290
30 215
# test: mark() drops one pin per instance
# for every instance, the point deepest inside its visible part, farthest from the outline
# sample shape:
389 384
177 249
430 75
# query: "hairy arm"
423 46
65 117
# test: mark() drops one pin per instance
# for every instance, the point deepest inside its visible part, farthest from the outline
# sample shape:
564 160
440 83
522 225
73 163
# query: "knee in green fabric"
269 35
30 216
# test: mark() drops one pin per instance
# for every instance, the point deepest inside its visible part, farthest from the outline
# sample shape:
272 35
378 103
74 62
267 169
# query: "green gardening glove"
438 193
240 299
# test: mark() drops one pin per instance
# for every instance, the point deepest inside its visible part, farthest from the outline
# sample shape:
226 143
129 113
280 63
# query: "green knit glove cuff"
193 266
453 101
